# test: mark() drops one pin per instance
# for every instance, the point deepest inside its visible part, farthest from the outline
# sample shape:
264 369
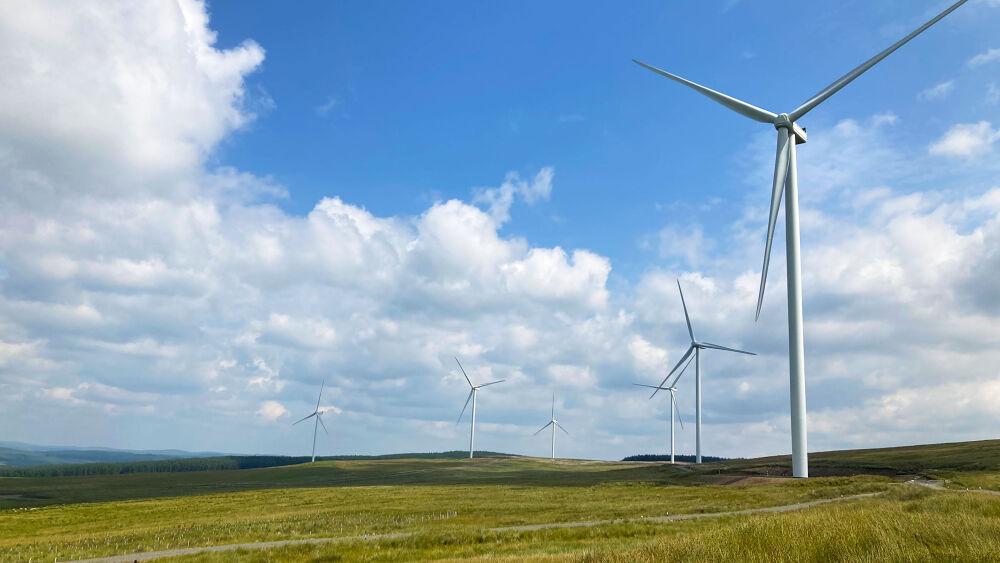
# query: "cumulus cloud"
150 98
501 198
271 411
688 244
966 140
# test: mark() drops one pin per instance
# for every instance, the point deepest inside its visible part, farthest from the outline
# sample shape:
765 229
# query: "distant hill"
982 455
453 454
19 454
684 458
214 463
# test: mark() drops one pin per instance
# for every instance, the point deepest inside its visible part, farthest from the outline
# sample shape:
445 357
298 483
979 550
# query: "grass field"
448 509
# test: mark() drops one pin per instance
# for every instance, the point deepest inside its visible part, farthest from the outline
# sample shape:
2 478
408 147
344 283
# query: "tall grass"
905 526
263 515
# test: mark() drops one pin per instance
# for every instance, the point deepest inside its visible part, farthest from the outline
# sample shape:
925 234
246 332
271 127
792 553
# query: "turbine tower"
552 423
318 415
785 184
673 409
474 390
695 348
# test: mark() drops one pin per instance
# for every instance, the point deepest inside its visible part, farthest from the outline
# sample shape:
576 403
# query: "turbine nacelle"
784 121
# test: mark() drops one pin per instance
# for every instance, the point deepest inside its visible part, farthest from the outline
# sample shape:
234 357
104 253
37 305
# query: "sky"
211 209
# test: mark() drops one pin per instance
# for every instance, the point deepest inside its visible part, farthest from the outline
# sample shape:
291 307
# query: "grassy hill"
10 457
453 468
19 454
982 455
450 508
154 464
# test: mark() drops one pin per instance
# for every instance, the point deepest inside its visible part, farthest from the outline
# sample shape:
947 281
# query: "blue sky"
429 100
213 208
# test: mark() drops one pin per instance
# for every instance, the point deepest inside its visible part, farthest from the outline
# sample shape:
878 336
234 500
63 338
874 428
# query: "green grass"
547 493
41 491
449 506
907 525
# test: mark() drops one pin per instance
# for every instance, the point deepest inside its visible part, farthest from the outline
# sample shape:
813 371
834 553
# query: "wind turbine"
785 183
474 390
695 348
553 423
318 415
673 408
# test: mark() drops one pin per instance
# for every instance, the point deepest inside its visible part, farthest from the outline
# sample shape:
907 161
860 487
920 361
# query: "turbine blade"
320 398
727 349
681 373
781 159
492 383
650 386
469 398
850 76
561 428
304 419
678 409
542 428
677 365
323 424
739 106
463 372
686 317
553 404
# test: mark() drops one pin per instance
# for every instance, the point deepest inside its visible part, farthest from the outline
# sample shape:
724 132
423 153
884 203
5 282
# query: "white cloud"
154 96
689 244
986 57
271 411
966 140
648 359
500 199
938 91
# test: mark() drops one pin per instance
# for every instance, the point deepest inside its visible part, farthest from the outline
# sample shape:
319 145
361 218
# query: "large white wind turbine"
786 183
553 423
474 390
318 415
674 409
695 348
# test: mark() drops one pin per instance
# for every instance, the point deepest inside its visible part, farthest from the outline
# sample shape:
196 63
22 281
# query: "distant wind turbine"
673 409
474 390
786 183
695 348
318 415
552 423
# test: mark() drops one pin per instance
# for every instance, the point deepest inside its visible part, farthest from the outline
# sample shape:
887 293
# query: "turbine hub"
784 121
